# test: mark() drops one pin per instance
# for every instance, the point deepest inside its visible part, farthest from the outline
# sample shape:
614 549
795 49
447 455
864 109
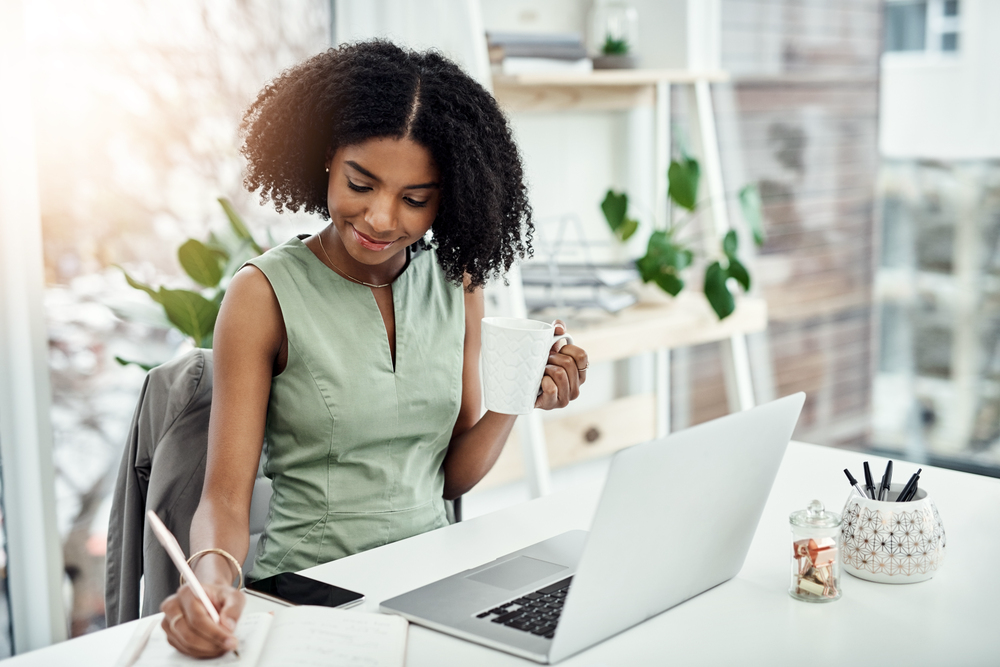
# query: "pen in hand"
173 549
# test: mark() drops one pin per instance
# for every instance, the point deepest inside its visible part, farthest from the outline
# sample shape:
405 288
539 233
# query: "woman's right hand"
192 631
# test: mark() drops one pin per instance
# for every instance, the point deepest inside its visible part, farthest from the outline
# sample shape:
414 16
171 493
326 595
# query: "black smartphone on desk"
289 588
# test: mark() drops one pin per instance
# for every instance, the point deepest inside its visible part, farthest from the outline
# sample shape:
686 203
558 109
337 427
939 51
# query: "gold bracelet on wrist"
225 554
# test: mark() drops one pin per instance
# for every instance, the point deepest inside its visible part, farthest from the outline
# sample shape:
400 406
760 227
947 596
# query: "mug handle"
568 337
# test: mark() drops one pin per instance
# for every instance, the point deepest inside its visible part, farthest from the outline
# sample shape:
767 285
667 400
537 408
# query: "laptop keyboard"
537 612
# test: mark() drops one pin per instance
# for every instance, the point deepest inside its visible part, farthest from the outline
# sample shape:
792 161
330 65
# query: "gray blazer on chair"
163 469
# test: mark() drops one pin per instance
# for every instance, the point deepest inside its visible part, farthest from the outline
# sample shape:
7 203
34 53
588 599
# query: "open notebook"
303 636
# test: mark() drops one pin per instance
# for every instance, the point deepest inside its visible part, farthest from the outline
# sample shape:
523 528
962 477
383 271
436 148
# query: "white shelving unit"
686 320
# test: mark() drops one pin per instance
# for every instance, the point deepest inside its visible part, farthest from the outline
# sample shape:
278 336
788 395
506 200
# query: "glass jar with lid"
815 554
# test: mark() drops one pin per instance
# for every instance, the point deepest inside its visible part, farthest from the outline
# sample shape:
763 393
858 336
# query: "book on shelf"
554 51
520 52
305 636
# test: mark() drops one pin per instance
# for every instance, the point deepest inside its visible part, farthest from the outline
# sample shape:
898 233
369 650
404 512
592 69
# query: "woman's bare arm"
477 441
248 344
477 438
248 338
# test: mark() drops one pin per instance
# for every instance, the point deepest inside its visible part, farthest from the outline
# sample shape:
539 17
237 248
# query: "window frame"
34 550
936 25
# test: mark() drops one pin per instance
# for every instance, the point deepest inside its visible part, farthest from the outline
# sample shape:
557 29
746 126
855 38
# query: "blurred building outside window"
937 282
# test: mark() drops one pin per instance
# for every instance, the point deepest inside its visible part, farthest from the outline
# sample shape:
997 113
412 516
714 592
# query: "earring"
328 170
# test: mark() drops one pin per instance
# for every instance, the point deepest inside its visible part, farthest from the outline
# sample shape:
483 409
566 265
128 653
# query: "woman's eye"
414 202
357 188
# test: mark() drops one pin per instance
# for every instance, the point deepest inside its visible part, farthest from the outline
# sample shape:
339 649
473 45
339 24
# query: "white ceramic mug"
514 355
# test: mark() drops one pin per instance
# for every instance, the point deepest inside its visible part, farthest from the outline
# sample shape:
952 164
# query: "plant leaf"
658 240
663 262
729 243
216 245
627 229
665 252
647 268
739 273
684 258
750 204
670 283
683 178
126 362
236 222
200 262
717 292
140 286
190 312
614 207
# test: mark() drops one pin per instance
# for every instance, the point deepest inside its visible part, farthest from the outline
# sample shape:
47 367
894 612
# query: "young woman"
354 353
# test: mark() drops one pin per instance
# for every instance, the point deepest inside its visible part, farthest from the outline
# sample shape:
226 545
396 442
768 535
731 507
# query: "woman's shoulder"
291 252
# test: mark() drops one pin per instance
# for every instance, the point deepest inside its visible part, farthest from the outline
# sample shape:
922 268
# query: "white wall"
946 106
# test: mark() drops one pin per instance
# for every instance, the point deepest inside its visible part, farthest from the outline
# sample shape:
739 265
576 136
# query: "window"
905 26
931 26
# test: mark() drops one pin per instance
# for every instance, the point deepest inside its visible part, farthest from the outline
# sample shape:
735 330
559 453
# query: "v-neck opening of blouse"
396 282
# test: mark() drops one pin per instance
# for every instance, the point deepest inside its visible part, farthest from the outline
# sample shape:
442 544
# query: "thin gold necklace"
344 273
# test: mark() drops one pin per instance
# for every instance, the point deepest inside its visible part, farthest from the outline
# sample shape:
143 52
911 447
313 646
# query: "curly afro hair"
361 91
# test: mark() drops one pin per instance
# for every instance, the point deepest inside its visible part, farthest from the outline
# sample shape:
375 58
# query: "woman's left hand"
565 371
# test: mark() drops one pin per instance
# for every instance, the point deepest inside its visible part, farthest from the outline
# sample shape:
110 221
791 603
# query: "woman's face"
383 195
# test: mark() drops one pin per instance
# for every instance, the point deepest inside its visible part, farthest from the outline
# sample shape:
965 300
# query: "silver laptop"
676 518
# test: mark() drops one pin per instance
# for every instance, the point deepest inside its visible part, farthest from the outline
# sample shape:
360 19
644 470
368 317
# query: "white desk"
953 619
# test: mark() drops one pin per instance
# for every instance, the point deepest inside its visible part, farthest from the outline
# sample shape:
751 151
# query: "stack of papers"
603 286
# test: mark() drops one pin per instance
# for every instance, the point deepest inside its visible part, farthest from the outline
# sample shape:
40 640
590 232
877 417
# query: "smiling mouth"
368 242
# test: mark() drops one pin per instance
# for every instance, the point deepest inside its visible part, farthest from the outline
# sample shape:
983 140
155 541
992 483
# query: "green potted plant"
615 29
668 258
210 264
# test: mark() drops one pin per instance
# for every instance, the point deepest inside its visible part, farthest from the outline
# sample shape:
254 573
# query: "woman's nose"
382 215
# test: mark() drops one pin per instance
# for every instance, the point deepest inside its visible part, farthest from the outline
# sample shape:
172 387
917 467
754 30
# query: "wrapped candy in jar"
815 556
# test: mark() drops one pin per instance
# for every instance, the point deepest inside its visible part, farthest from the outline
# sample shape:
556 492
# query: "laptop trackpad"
516 572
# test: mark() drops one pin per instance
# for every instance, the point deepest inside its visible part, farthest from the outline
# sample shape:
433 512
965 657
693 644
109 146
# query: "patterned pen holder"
890 542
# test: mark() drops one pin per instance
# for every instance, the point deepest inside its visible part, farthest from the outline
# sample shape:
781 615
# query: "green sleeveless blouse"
354 447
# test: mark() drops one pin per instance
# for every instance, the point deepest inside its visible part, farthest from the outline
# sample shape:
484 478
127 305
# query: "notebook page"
251 631
320 636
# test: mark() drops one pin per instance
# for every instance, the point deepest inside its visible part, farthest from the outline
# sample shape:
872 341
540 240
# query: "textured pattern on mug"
892 542
512 362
